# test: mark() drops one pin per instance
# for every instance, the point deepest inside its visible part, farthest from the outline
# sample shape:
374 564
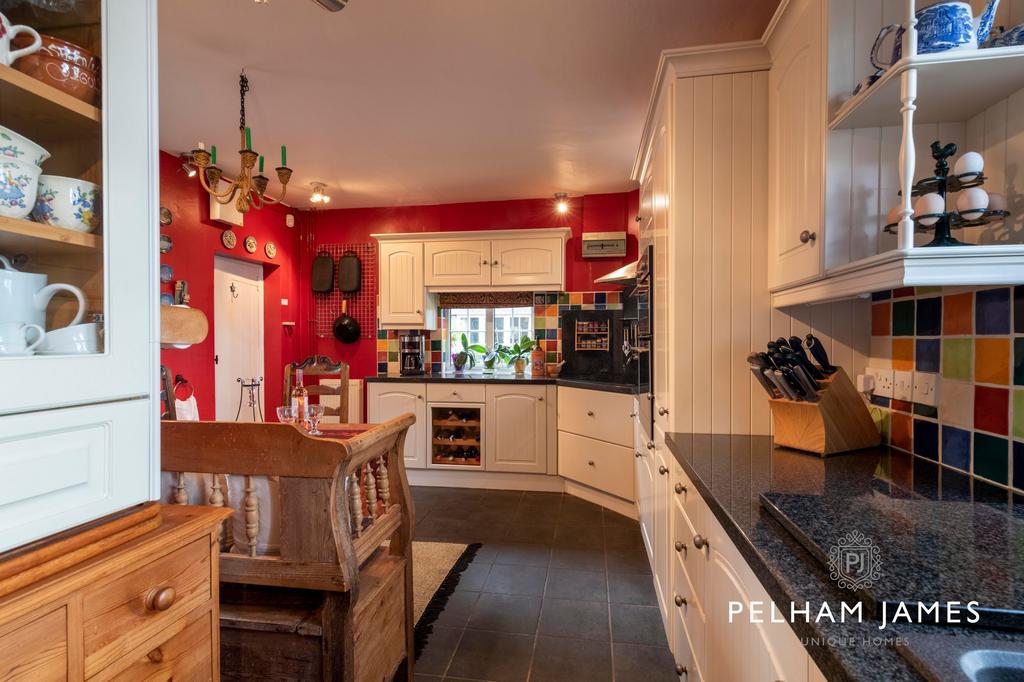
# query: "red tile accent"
901 430
588 297
958 313
902 406
903 292
881 319
991 409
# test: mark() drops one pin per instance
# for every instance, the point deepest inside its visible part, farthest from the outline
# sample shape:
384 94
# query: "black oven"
644 345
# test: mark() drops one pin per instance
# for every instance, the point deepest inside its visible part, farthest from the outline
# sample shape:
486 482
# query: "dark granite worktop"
779 506
509 378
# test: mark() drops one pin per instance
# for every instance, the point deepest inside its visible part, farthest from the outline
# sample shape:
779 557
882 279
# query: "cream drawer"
596 414
682 649
686 496
595 463
455 393
62 468
693 561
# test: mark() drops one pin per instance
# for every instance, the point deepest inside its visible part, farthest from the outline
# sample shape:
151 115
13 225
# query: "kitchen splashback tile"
1018 465
903 354
901 431
956 358
956 448
991 458
1018 414
881 318
992 311
1018 361
929 316
1018 309
903 318
992 361
956 403
926 439
881 352
926 355
991 408
958 314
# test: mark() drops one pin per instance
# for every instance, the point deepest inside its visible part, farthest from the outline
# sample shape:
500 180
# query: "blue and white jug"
942 27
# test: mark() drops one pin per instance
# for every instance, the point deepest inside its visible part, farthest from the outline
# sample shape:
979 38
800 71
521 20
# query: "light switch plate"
926 388
883 381
903 386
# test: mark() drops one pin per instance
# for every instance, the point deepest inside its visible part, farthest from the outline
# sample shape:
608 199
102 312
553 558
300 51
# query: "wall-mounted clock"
271 250
250 244
228 239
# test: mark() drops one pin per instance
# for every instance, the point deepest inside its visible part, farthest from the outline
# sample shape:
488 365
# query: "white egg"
996 202
972 203
970 162
929 203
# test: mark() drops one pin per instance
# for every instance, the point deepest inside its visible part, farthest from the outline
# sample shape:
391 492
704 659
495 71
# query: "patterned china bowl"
19 182
62 50
19 148
67 202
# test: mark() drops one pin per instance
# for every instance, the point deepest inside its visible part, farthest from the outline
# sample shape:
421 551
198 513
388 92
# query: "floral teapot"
941 27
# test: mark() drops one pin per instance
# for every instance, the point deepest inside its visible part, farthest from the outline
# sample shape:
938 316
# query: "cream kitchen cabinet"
404 301
516 436
386 400
796 120
662 522
644 476
460 262
537 262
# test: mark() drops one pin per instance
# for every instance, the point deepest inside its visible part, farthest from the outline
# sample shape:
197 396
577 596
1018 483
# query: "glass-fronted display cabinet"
78 216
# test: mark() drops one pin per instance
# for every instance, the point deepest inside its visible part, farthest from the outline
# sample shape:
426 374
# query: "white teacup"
7 33
14 338
74 340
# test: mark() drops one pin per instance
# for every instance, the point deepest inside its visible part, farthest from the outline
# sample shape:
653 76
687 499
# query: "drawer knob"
681 670
540 399
650 445
590 463
637 454
419 312
419 397
590 413
161 599
699 541
680 545
808 236
680 601
680 488
662 470
662 411
632 414
156 655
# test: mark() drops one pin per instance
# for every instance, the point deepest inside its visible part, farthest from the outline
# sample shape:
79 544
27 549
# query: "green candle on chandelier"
213 153
261 164
284 156
248 138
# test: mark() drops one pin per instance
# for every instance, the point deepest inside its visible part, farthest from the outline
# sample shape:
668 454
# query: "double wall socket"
926 388
883 381
918 387
903 386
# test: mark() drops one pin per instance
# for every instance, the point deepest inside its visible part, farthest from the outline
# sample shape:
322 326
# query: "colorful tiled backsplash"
547 310
974 338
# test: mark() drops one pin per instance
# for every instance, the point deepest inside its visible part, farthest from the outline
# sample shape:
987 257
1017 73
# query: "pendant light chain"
243 87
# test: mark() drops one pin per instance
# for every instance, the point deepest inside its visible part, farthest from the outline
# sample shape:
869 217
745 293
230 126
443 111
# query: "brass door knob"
663 470
681 670
637 454
161 599
680 488
680 601
540 399
419 397
650 445
680 545
590 463
699 541
419 312
808 236
590 413
662 411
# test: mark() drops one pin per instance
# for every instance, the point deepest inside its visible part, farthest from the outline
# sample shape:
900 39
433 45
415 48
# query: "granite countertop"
779 506
509 378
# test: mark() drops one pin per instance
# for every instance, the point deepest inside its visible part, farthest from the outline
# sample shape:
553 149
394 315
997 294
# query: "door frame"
241 266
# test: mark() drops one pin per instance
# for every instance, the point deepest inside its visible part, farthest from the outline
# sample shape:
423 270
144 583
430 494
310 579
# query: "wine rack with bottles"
455 435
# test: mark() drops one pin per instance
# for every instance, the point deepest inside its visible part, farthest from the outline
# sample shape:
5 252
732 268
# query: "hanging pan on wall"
350 272
346 328
322 274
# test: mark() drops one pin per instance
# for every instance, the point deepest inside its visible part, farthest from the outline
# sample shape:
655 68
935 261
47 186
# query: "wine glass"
286 415
313 413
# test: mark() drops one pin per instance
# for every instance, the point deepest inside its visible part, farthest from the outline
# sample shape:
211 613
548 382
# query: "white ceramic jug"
25 295
7 33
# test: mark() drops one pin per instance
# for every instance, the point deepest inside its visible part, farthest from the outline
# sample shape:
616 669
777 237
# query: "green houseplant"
517 354
466 356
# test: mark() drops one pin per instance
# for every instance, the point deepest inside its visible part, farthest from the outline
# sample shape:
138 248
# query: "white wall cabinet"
404 301
515 436
537 262
458 263
387 400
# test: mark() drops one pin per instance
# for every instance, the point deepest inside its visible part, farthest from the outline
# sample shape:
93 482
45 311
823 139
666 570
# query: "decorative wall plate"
228 239
250 244
271 250
166 273
165 216
166 243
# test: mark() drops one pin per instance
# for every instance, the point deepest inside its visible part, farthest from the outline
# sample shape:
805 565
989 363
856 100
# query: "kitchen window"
488 326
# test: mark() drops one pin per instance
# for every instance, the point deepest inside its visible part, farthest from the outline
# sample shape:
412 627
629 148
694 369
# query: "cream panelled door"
457 263
515 437
402 296
386 400
534 262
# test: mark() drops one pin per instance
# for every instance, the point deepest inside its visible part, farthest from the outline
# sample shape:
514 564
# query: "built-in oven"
644 344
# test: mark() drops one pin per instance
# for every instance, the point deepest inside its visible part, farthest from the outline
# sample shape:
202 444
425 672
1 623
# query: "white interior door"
237 333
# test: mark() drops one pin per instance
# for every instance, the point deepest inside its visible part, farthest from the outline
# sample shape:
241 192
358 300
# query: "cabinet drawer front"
595 463
455 393
120 615
37 650
596 414
692 560
62 468
457 263
682 648
182 651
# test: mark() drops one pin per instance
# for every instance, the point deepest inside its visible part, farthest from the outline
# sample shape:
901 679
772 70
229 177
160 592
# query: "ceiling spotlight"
562 202
187 167
319 195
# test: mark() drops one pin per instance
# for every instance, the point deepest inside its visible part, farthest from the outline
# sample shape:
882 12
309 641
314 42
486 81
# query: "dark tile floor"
560 591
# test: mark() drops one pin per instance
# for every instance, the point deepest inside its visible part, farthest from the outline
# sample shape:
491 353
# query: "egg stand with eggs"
974 206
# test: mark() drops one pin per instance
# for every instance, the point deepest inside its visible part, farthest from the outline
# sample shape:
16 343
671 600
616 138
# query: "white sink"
989 665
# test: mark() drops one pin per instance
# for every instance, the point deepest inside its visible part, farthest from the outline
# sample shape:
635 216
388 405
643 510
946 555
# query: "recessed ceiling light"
561 202
319 195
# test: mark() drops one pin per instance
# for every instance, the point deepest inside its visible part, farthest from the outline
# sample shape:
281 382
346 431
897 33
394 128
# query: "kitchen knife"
789 374
818 351
809 385
768 386
781 342
783 385
801 357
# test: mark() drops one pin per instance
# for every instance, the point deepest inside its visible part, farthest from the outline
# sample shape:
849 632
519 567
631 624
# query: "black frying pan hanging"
350 272
322 275
346 328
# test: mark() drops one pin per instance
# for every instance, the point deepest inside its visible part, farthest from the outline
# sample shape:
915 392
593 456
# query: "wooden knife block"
838 422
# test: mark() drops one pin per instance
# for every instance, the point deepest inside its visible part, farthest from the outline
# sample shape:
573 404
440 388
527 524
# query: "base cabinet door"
386 401
662 537
515 436
643 459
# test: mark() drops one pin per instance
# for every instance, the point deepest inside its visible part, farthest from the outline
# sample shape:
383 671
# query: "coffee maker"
411 355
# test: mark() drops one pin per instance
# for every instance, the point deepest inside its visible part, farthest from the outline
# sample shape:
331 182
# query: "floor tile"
557 659
573 618
632 588
588 536
494 656
623 537
506 613
474 577
458 609
437 653
637 625
628 561
643 664
509 579
531 533
565 583
579 559
523 555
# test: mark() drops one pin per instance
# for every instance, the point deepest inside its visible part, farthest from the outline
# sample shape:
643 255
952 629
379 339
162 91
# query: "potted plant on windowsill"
466 356
490 360
516 355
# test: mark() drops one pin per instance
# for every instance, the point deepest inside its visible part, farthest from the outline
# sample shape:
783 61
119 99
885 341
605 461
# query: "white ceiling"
395 102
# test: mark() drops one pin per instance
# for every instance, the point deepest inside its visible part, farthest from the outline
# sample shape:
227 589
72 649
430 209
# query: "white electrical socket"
883 379
903 386
926 388
865 383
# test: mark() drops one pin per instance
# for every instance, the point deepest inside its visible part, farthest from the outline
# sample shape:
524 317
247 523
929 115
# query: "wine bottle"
300 398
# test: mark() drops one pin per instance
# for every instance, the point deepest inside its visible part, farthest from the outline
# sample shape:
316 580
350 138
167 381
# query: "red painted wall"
590 213
196 239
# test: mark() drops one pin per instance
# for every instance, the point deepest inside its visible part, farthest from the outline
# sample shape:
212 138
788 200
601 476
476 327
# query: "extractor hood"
624 275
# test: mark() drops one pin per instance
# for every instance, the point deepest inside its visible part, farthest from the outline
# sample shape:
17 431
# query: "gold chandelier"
246 190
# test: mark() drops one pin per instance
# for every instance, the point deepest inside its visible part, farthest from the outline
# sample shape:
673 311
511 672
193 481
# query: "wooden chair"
335 601
321 367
